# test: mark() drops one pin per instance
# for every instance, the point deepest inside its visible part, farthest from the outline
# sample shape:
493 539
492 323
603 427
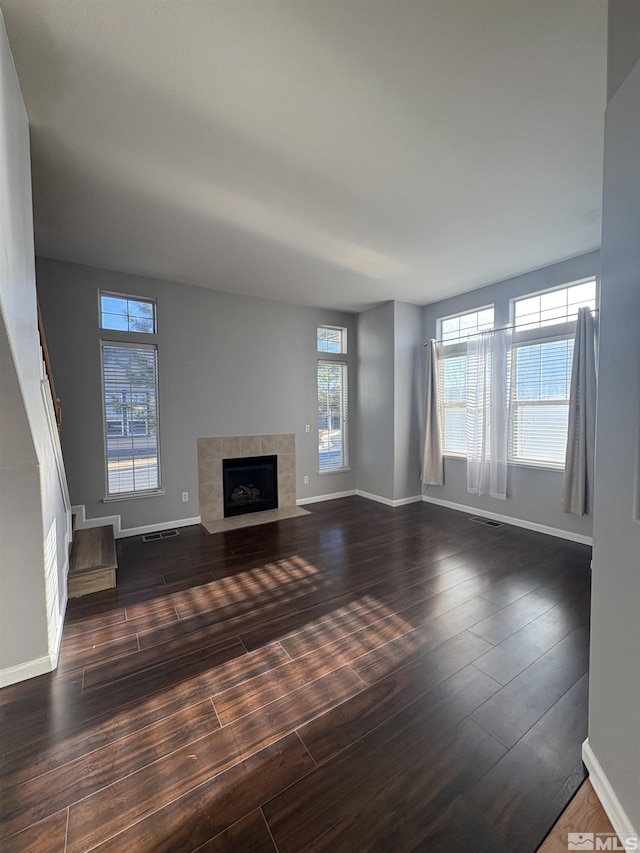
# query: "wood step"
93 561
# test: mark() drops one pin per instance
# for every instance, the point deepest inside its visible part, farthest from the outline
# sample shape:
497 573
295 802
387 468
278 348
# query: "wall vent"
161 534
488 522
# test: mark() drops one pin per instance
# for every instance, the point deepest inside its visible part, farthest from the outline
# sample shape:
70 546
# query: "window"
539 372
458 328
544 329
554 306
452 360
127 314
130 396
332 383
332 339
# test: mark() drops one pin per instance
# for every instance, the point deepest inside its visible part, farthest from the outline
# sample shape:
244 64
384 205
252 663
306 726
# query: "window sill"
132 496
334 471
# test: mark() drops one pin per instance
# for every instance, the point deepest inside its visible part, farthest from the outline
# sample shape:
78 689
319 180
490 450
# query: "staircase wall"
34 506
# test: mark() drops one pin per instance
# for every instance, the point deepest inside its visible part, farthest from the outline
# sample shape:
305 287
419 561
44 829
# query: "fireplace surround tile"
211 452
250 445
286 443
230 446
268 444
209 449
286 483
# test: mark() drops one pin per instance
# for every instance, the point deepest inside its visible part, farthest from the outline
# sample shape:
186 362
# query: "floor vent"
488 522
161 534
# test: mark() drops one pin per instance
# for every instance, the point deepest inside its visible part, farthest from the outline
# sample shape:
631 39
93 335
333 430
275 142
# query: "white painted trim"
55 653
388 501
331 497
153 528
416 499
377 498
607 796
516 522
82 523
23 671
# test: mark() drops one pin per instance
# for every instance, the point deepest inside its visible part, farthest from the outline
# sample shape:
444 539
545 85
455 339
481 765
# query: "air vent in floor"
161 534
488 522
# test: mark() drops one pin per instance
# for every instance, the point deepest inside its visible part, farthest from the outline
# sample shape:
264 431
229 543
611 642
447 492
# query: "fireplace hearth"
250 484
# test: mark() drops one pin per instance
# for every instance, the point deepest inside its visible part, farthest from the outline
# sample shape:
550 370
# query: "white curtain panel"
432 464
579 461
488 360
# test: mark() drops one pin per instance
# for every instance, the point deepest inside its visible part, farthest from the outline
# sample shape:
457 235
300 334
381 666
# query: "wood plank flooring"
361 678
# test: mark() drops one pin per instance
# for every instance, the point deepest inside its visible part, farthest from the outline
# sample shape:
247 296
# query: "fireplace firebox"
250 484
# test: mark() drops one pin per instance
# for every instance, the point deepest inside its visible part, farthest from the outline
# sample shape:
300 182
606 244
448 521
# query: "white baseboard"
153 528
388 501
508 519
55 652
82 523
331 497
607 796
29 669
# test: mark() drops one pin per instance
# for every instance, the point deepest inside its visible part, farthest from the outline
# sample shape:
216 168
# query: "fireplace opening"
250 484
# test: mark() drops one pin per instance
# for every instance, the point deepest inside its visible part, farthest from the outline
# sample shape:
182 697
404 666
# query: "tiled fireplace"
211 452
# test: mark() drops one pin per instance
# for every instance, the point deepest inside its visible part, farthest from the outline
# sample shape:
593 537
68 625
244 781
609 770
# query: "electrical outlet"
307 427
185 497
306 479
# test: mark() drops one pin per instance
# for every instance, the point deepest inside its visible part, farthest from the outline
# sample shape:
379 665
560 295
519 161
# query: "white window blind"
130 391
541 377
453 403
544 330
452 360
332 415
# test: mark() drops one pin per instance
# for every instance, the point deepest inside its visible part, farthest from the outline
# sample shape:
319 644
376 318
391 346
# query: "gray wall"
390 379
533 494
614 694
229 365
33 520
375 419
624 34
408 400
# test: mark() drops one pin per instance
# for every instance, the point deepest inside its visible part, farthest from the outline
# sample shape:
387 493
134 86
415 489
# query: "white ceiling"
326 152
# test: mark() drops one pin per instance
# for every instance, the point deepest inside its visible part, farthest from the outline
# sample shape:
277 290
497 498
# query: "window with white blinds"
332 415
130 398
541 379
544 331
539 374
452 374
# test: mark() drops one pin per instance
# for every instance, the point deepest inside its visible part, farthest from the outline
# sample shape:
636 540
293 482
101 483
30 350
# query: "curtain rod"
498 329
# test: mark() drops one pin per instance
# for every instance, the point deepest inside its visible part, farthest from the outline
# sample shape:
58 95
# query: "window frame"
449 350
129 297
529 335
129 340
522 336
343 339
333 358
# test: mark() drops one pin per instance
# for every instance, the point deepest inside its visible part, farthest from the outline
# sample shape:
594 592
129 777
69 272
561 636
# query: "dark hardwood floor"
361 678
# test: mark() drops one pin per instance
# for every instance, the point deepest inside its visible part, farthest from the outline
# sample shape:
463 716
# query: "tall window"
544 329
539 374
332 381
453 332
130 397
